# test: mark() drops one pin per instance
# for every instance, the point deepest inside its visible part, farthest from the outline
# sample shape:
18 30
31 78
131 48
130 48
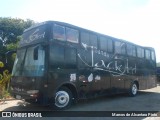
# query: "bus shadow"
112 103
120 102
97 104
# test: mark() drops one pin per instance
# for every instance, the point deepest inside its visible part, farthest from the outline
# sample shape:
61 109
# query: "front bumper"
25 95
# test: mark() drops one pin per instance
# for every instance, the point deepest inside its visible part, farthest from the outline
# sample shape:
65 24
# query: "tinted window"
140 52
134 50
85 38
70 58
147 54
56 57
120 47
72 35
59 32
89 39
153 55
123 48
103 43
117 47
131 50
110 46
93 40
106 44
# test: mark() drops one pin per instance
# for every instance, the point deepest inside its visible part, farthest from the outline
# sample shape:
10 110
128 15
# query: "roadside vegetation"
4 83
11 30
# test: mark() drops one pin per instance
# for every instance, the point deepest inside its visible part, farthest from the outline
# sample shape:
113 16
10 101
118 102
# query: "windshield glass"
29 62
17 68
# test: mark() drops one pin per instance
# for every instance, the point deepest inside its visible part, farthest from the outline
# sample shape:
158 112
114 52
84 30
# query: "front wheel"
133 90
63 98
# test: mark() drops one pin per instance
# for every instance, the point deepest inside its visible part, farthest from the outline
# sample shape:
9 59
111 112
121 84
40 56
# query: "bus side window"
70 58
123 48
147 54
120 47
117 47
140 52
131 50
153 55
93 40
103 43
59 32
56 57
85 38
110 46
134 50
72 35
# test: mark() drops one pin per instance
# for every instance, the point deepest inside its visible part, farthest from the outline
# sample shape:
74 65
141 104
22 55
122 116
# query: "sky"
137 21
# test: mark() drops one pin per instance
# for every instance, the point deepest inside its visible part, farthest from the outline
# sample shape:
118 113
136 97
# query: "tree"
4 82
11 30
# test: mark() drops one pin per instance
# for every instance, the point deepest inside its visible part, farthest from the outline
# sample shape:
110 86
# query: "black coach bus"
58 64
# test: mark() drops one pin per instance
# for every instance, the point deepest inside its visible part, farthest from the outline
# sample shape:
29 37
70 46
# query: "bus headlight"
33 91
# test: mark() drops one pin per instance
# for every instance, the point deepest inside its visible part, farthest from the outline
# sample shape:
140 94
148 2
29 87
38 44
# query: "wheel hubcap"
134 89
61 99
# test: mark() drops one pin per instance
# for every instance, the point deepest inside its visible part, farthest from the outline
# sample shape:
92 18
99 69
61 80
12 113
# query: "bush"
4 82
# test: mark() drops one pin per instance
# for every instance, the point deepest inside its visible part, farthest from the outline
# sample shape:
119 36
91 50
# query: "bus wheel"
63 98
133 90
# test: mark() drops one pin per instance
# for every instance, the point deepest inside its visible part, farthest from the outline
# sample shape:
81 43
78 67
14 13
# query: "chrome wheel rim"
61 99
134 89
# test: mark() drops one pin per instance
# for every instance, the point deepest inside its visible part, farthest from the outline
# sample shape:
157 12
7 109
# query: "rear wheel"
133 89
63 98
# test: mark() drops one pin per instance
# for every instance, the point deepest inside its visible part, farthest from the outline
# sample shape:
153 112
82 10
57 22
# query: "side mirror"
9 53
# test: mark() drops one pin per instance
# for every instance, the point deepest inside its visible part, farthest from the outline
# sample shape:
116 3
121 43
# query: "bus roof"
83 29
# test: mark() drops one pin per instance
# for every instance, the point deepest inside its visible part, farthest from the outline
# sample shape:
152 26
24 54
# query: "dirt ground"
146 100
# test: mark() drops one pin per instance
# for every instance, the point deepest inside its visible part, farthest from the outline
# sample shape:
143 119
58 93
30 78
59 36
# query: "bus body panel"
88 69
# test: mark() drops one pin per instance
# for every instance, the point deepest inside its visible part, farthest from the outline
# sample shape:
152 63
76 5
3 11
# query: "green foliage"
12 46
11 30
4 82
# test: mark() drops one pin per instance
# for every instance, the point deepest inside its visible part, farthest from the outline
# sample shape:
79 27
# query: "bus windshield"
29 61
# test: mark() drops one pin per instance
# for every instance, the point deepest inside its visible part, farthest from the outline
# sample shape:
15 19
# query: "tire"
63 98
133 90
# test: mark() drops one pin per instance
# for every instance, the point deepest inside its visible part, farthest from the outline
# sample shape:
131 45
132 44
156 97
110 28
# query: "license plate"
18 97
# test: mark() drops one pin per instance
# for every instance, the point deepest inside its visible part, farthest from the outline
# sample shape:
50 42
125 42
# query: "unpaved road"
146 100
